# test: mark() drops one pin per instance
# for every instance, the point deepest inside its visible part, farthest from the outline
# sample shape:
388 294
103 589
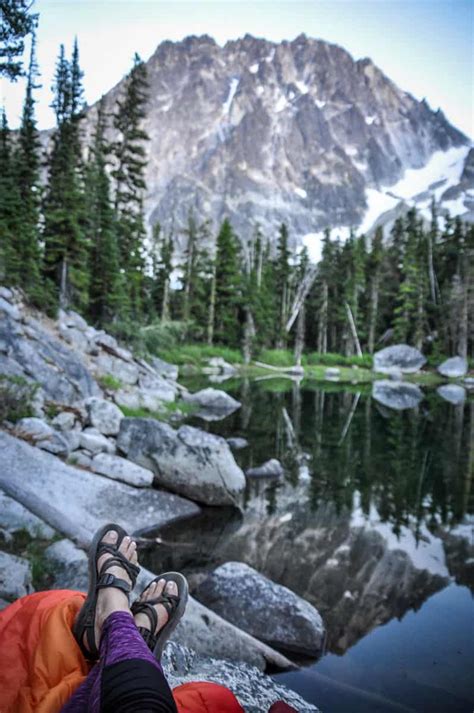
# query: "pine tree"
282 278
228 286
128 174
162 266
27 170
10 204
16 22
107 290
66 247
374 268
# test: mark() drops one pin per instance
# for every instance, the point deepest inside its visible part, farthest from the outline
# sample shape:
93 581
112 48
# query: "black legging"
135 686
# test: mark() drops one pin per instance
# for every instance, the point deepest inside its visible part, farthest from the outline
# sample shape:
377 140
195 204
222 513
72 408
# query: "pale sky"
425 46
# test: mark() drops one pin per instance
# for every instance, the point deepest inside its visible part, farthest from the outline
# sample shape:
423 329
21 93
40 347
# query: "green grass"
109 382
197 355
169 409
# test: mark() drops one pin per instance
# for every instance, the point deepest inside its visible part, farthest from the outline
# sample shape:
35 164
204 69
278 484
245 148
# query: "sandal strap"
110 580
119 560
150 611
147 637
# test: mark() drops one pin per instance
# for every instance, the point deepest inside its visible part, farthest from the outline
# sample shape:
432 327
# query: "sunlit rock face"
295 132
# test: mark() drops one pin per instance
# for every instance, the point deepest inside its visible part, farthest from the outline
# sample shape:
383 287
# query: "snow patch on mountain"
230 97
425 551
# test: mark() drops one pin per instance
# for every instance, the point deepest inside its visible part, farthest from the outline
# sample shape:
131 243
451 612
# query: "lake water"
372 523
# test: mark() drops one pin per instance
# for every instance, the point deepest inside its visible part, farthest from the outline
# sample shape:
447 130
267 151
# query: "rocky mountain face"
297 132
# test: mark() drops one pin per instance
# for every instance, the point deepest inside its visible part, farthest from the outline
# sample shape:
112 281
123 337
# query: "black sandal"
175 605
85 622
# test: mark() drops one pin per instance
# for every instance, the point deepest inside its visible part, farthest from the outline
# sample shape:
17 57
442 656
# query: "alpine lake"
372 523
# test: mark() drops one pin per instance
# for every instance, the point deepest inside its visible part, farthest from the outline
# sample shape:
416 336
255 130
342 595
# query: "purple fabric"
119 641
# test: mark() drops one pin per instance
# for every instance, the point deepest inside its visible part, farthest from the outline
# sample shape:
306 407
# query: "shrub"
109 382
16 398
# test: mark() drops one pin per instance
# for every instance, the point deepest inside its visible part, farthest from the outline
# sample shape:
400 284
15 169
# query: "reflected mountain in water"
368 522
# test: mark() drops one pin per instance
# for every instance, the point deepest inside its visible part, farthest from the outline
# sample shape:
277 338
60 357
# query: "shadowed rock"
188 461
264 609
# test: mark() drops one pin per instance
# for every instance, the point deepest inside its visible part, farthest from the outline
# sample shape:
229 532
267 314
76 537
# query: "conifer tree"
106 291
66 247
162 266
374 269
282 280
228 286
27 169
129 176
16 22
10 204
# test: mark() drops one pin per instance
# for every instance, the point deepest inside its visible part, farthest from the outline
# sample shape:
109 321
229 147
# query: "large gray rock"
14 518
222 366
103 415
213 404
453 368
408 359
45 360
95 442
77 502
188 461
125 371
396 395
70 566
266 610
15 577
162 368
121 469
33 429
453 393
255 691
270 469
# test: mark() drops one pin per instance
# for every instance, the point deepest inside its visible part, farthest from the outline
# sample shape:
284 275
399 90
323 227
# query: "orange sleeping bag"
41 664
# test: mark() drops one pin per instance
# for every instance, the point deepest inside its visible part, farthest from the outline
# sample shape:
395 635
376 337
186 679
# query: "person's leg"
131 680
127 678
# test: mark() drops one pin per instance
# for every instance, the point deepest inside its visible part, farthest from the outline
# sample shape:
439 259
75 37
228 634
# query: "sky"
425 46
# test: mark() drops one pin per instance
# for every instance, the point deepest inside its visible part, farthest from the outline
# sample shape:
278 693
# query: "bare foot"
111 599
153 592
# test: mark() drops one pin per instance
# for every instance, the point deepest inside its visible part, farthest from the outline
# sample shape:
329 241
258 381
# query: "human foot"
159 609
155 591
110 598
113 571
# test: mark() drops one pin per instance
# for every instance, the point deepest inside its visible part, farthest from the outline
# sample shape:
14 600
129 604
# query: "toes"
110 537
171 588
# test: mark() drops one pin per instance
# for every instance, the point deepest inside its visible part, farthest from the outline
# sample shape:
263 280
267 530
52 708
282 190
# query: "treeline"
77 239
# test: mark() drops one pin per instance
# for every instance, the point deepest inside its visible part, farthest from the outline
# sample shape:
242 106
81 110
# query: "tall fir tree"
129 177
66 247
10 206
282 284
107 290
27 176
228 286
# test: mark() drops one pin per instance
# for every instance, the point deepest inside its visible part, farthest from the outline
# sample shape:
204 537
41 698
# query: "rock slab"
77 502
188 461
268 611
121 469
408 359
103 415
270 469
453 368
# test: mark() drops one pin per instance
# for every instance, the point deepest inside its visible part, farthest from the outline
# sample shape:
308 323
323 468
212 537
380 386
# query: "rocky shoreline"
73 461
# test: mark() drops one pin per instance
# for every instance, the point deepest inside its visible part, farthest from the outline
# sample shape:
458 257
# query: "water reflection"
368 521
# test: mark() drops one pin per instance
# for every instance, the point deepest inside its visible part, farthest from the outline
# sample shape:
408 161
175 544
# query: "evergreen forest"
73 236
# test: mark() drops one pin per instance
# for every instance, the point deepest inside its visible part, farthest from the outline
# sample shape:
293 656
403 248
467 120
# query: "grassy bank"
352 369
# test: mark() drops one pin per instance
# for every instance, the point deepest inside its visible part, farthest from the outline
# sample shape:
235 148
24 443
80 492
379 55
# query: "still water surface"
372 524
